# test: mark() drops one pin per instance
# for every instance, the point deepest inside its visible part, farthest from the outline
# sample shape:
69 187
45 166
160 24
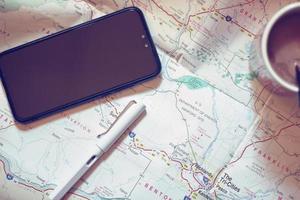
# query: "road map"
212 130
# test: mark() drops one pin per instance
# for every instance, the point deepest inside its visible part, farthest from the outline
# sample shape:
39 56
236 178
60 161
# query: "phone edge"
92 97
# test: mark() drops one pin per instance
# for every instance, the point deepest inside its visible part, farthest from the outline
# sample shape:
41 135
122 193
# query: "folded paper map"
211 131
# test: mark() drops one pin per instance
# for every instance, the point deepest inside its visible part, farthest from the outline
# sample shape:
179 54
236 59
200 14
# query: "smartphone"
78 64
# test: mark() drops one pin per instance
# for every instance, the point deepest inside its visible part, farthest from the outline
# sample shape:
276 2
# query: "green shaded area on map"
193 82
239 77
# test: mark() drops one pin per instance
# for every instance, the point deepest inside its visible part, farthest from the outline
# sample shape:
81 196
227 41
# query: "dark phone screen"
94 58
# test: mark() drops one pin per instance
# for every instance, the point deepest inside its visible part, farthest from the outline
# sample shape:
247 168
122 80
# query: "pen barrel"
104 143
122 123
66 184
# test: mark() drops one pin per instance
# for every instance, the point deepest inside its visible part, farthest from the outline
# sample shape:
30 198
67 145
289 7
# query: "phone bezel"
93 96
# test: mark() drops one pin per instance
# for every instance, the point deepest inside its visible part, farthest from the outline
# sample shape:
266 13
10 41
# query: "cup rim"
265 36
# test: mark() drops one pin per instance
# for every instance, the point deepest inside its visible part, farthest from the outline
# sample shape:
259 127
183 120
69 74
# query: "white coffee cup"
260 58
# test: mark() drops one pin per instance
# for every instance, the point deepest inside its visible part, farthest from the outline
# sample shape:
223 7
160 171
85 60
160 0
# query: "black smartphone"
78 64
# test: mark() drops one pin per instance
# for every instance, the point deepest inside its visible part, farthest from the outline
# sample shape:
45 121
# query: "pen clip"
120 115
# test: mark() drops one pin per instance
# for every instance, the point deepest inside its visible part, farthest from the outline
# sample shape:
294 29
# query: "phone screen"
80 63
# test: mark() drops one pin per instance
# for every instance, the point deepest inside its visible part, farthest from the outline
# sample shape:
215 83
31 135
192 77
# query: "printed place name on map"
156 191
227 181
195 112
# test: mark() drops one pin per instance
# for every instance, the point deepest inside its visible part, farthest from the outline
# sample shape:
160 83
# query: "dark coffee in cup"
283 46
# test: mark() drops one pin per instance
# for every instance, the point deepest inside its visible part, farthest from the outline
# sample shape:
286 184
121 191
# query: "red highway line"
72 193
187 181
200 13
194 191
218 9
236 23
197 180
258 97
141 148
179 22
43 191
36 189
182 168
215 179
214 6
29 186
260 141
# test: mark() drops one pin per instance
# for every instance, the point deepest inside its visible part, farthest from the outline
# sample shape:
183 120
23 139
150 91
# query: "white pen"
130 114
